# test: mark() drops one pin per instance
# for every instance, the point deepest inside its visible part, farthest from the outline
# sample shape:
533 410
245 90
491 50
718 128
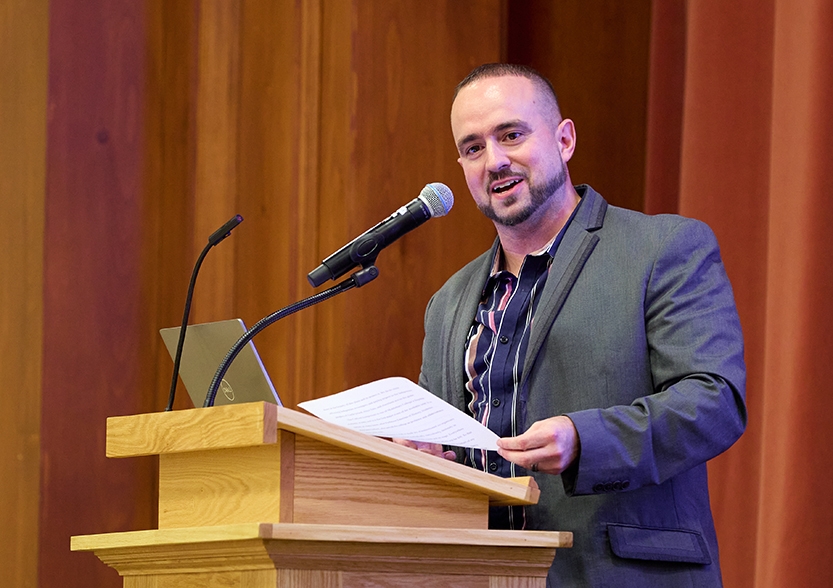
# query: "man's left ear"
566 134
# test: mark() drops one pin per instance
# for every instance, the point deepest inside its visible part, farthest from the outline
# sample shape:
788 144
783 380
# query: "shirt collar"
550 248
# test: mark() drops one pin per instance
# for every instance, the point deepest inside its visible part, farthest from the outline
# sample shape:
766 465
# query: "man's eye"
473 149
514 135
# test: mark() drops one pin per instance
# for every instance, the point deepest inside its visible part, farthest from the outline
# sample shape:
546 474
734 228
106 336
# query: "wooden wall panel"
169 243
217 107
95 338
389 73
23 78
313 120
597 57
325 145
278 182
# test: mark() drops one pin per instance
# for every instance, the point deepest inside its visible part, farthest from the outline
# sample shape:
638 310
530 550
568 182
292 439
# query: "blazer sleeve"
696 409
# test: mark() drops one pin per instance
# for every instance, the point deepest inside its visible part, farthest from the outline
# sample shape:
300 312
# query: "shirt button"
504 339
496 402
492 467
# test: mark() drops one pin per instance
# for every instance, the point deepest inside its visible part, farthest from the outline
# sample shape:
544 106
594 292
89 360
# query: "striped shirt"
494 361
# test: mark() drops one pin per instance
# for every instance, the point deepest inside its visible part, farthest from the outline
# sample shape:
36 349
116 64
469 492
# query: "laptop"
205 347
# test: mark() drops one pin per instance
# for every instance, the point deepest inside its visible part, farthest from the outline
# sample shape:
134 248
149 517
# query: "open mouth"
505 186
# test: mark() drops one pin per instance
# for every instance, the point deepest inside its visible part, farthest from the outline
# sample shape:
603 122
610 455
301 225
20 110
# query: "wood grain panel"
337 137
377 493
422 580
225 486
23 80
241 579
597 57
299 578
278 182
217 108
388 76
197 429
172 35
507 582
219 487
94 344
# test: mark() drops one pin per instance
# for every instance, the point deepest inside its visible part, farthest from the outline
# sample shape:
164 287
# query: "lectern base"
338 556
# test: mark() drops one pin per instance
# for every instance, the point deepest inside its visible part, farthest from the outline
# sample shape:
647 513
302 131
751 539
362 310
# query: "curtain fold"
796 504
755 148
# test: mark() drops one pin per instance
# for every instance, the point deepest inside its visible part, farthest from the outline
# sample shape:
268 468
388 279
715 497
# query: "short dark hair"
497 70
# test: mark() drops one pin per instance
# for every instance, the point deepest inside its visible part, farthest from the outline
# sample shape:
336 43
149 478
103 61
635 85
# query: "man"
602 345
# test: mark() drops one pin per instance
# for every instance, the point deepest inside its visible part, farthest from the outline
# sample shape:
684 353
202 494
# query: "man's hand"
433 448
548 446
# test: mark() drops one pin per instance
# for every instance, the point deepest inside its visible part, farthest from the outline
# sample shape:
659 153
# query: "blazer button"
598 488
625 485
492 467
496 402
504 339
617 485
608 487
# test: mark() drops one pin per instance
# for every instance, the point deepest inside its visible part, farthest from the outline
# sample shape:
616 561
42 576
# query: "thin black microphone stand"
368 273
215 238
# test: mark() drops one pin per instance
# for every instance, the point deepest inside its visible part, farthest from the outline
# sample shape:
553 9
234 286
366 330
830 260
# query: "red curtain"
740 130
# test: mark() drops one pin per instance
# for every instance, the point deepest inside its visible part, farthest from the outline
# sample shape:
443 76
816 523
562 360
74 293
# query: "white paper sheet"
396 407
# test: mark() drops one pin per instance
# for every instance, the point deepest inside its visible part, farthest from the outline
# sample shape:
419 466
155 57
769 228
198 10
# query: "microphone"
225 230
213 240
435 199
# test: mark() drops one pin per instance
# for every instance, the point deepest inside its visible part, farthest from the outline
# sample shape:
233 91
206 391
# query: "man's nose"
496 158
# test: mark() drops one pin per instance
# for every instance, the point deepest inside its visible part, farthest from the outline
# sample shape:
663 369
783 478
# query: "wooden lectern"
255 495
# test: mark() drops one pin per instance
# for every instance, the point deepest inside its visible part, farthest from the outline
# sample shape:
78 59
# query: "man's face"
511 147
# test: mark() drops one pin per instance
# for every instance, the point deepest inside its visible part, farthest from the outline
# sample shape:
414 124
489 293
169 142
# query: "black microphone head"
438 197
225 230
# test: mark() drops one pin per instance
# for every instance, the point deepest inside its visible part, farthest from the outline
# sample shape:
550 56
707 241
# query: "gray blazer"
637 340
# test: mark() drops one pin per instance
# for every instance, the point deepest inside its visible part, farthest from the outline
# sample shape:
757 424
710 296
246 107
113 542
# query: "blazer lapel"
573 252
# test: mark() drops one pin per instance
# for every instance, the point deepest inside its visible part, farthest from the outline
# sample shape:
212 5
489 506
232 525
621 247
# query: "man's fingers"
432 448
405 443
548 446
534 438
526 459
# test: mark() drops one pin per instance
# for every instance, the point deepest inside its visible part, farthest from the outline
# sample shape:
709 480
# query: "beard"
539 194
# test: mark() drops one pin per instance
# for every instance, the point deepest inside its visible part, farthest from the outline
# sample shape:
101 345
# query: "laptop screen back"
206 345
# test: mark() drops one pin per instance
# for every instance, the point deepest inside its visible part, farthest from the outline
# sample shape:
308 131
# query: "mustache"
505 173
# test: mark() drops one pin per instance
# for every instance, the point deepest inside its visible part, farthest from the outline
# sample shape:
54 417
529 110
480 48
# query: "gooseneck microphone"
215 238
435 200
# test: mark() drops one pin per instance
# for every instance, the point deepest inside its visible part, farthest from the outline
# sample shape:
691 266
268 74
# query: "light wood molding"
321 532
242 425
328 547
